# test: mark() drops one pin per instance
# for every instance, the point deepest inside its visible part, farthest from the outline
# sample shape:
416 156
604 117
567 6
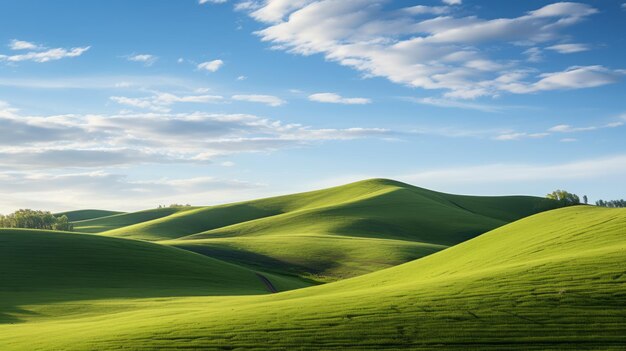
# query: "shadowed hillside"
37 265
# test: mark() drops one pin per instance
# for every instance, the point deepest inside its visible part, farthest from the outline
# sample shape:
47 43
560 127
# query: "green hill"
98 225
339 232
555 280
40 266
82 215
324 235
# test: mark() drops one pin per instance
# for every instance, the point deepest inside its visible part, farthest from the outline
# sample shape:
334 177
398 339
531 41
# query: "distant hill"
101 224
82 215
326 234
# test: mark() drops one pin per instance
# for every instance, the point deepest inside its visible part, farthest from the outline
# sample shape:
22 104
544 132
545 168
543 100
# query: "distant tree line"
32 219
611 203
569 199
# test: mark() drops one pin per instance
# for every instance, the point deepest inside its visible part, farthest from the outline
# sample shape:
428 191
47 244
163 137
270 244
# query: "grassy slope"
349 230
551 281
98 225
82 215
38 266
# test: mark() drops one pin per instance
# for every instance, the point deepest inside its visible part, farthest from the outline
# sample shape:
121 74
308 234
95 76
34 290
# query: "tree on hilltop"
564 197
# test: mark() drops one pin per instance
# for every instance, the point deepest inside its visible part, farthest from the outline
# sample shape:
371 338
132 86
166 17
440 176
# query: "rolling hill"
82 215
38 266
101 224
555 280
327 234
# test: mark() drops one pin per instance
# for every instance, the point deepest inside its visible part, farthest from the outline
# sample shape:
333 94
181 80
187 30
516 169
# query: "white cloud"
333 98
566 128
561 128
569 48
452 2
272 11
45 56
240 78
450 103
211 66
518 136
161 102
146 59
52 142
99 82
576 77
437 52
534 54
201 2
23 45
227 164
263 99
423 10
568 140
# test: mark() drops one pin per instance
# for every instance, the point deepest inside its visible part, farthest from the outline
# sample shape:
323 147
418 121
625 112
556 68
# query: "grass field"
328 234
555 280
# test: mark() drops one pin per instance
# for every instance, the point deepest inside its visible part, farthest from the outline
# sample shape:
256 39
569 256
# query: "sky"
127 105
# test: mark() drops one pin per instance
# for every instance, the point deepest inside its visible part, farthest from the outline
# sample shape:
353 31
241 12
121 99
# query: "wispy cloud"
451 103
561 128
333 98
569 48
263 99
428 50
211 66
24 45
48 142
146 59
104 82
45 56
566 128
518 136
161 102
576 77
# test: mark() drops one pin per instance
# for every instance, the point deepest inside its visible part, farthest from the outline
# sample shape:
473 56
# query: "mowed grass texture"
555 280
328 234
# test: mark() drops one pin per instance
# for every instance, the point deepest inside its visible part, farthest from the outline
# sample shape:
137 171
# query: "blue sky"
130 104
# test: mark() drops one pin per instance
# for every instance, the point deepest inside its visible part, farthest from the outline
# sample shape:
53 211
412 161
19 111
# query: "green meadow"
372 265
